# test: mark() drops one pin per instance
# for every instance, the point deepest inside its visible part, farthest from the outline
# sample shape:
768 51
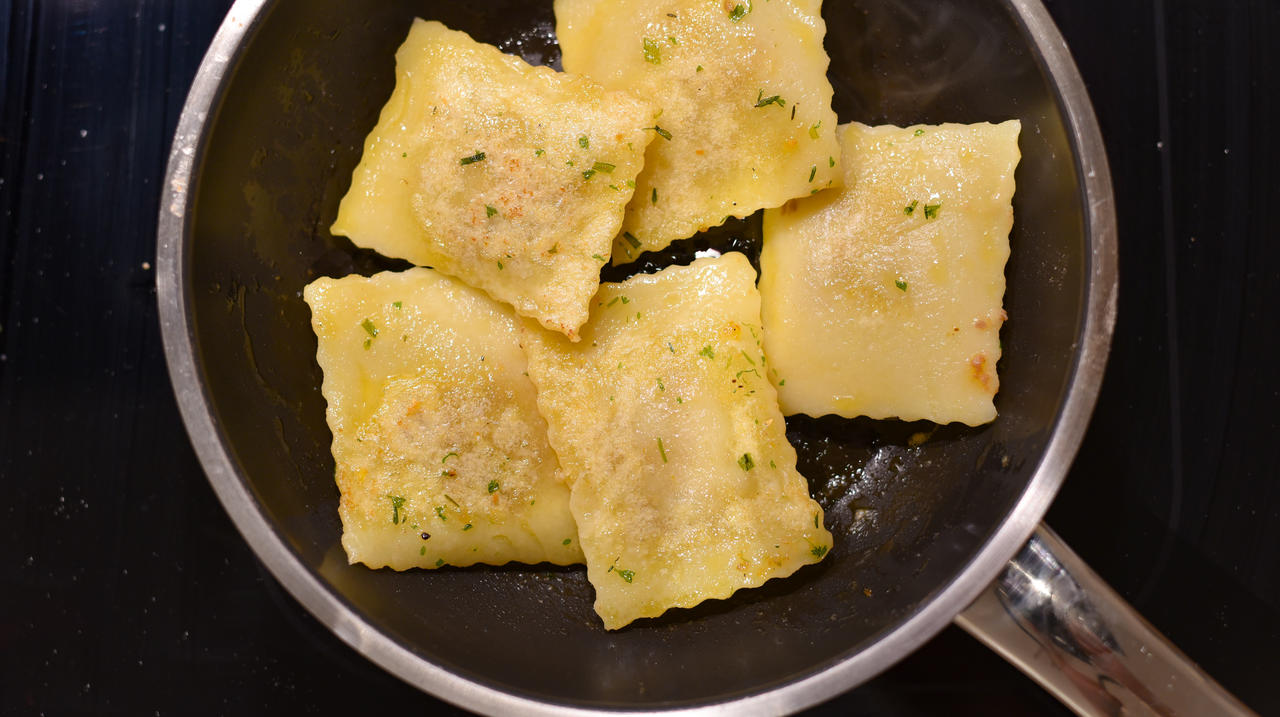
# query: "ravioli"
885 299
746 117
510 177
682 481
442 457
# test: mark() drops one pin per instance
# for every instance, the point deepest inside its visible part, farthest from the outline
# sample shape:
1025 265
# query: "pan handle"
1051 616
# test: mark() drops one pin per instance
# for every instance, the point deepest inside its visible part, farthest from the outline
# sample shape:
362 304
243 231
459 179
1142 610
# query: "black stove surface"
125 589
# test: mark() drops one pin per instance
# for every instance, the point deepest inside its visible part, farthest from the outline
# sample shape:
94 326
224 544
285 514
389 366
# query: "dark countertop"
124 587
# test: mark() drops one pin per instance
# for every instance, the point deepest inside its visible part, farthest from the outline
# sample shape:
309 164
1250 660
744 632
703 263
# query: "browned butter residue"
978 365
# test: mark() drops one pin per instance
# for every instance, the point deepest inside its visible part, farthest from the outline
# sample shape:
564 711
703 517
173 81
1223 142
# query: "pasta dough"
682 481
441 454
746 117
884 299
510 177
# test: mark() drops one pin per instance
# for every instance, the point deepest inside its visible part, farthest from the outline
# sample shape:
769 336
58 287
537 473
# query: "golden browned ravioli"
746 117
510 177
884 298
441 454
683 484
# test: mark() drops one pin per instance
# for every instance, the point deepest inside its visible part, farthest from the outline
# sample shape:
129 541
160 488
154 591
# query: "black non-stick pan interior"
282 141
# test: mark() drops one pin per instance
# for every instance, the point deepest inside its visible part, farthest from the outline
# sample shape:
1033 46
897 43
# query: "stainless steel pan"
264 150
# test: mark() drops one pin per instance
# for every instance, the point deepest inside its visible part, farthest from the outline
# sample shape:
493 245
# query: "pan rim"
1097 324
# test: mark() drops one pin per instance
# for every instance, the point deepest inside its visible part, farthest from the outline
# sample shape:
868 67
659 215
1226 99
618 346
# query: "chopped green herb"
612 301
699 69
672 39
813 171
583 142
831 161
746 463
739 11
500 265
490 210
748 358
819 550
466 527
661 132
772 464
397 304
653 198
813 131
566 541
439 562
652 53
662 450
440 513
931 211
604 167
397 502
900 283
625 300
631 183
597 257
762 101
539 152
660 386
783 382
477 157
422 550
493 486
919 132
673 348
815 521
369 328
589 174
627 575
404 154
368 343
707 351
447 456
910 208
554 248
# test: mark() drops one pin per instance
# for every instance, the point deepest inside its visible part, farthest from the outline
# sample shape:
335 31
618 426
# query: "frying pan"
264 150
